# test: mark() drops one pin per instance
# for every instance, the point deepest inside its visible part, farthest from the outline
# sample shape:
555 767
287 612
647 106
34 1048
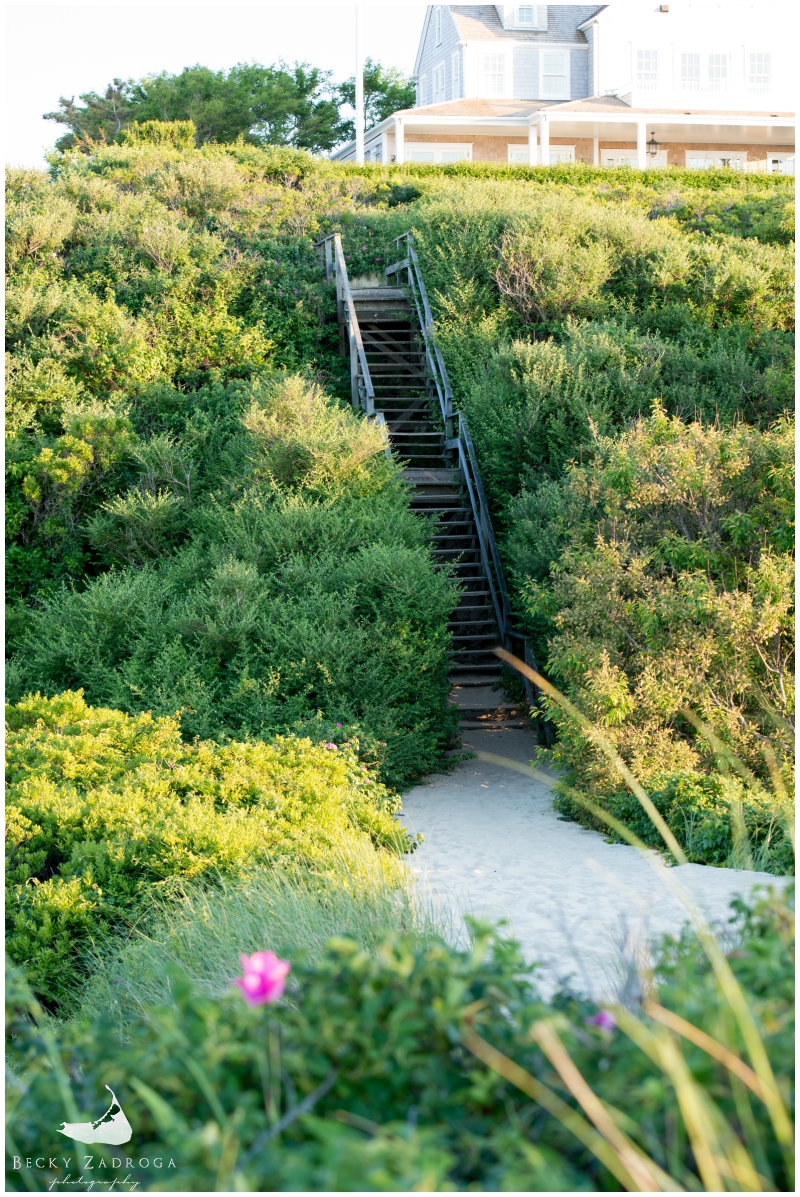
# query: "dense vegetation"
363 1079
105 810
624 352
622 346
228 642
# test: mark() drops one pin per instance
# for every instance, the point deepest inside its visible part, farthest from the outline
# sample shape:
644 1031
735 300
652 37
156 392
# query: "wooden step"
423 476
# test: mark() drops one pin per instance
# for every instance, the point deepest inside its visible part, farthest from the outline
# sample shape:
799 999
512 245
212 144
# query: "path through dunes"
495 847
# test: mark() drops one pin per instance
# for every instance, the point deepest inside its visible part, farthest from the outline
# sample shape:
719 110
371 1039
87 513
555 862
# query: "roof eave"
593 19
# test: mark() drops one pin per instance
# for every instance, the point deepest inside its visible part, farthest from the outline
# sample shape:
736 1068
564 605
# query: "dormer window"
523 16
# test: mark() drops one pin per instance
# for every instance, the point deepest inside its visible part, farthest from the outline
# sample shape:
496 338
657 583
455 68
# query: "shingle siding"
578 75
526 73
432 54
590 38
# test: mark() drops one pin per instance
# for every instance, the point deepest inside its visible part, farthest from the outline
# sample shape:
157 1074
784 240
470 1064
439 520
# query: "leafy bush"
305 585
670 600
361 1078
104 810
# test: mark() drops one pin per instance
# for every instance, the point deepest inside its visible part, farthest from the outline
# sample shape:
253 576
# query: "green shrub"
306 586
717 820
105 810
669 600
371 1041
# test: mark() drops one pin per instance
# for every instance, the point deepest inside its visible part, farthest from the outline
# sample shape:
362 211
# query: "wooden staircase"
395 354
399 379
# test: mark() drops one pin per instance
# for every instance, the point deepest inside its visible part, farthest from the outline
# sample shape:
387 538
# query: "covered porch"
604 132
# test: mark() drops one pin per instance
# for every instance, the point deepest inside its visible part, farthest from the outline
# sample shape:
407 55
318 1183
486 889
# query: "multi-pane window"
438 83
528 16
555 78
760 72
494 82
647 69
717 72
690 72
456 76
441 152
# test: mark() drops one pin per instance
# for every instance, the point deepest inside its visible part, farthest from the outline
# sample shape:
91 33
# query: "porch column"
399 143
384 148
596 151
532 143
544 140
641 144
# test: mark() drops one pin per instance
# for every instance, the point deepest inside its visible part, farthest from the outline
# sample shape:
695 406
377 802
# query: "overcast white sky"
59 49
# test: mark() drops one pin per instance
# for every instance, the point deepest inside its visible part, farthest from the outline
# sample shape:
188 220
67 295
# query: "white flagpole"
359 96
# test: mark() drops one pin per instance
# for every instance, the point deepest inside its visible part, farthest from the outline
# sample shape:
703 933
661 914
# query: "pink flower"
338 725
603 1019
264 978
335 747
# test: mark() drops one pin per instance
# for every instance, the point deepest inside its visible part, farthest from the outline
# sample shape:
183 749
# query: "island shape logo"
113 1127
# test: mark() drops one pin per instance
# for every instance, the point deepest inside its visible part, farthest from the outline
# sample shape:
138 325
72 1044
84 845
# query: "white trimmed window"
437 20
618 157
519 155
438 152
554 84
647 69
718 72
559 154
690 72
525 16
780 164
438 83
760 72
456 67
716 159
494 74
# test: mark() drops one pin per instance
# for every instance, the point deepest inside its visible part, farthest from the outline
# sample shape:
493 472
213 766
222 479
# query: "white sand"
495 847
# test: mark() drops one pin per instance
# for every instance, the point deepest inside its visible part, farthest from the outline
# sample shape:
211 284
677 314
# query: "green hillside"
198 525
228 650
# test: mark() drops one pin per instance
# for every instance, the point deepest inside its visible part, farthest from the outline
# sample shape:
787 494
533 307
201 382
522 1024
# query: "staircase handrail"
362 391
432 351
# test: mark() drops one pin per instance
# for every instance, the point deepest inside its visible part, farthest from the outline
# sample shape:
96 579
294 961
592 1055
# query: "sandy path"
495 847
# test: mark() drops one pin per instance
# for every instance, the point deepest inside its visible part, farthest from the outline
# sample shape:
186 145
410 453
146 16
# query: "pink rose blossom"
335 747
603 1019
264 978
